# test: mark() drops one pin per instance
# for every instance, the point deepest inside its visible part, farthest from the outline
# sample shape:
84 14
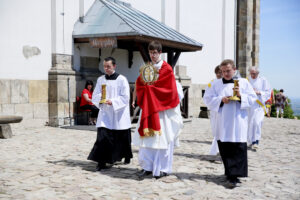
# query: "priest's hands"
237 90
225 100
108 102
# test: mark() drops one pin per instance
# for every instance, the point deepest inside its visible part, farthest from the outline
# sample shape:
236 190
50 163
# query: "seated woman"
86 101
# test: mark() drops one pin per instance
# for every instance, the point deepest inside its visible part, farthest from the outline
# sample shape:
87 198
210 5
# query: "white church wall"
29 27
25 51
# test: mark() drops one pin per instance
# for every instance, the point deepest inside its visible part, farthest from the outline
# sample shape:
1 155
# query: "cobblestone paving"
42 162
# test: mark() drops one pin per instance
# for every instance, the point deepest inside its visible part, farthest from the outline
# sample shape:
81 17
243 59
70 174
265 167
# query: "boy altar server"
232 120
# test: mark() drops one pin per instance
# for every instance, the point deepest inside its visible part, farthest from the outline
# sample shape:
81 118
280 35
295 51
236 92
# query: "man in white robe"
156 146
257 112
232 120
214 150
111 96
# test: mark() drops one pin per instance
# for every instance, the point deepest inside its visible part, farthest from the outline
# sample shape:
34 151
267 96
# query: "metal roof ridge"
121 2
179 37
129 19
105 3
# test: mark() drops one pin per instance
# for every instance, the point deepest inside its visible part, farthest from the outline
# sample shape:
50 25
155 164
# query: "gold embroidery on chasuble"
149 74
149 132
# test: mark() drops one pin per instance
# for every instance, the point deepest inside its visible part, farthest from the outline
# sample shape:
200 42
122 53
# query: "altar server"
214 150
232 120
111 96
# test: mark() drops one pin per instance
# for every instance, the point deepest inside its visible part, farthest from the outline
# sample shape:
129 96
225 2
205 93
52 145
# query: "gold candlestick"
235 97
103 94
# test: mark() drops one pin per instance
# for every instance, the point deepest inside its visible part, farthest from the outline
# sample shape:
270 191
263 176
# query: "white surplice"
256 113
232 118
117 115
214 150
156 152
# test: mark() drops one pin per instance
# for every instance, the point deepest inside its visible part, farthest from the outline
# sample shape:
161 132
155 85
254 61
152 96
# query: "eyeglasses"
153 53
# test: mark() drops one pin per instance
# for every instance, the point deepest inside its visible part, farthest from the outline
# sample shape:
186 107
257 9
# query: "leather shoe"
233 182
144 173
127 161
162 174
101 166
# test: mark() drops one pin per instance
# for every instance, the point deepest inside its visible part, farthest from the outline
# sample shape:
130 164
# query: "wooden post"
144 53
130 56
170 57
175 58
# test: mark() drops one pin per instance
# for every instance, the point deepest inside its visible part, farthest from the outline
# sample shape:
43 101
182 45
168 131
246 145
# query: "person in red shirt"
86 101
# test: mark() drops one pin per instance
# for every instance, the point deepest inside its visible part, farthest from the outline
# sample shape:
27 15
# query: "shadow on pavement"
85 165
210 158
81 127
196 141
121 171
217 179
116 171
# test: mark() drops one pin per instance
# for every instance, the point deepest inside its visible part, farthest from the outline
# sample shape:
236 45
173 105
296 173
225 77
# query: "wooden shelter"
115 24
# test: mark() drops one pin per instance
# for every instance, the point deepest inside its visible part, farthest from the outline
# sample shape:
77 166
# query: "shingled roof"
114 18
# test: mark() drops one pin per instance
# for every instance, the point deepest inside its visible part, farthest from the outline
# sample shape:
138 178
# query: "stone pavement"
41 162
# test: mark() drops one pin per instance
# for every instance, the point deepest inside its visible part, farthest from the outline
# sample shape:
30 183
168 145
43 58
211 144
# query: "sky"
279 59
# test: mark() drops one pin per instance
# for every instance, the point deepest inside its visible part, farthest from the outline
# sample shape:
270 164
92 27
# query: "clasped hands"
236 90
257 91
108 102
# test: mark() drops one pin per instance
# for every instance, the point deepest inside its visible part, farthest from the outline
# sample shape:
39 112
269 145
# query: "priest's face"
228 71
109 68
253 74
155 56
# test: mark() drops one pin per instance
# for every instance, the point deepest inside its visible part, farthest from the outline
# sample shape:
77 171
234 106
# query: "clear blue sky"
280 44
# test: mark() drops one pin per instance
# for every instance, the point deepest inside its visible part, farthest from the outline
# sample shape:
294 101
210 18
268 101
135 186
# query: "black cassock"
111 146
234 157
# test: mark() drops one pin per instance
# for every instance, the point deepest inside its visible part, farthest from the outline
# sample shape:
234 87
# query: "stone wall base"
27 98
195 99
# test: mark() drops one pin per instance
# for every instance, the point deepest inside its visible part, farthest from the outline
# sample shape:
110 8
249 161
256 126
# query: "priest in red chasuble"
160 121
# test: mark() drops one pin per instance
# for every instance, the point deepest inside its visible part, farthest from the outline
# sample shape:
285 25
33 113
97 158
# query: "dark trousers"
93 108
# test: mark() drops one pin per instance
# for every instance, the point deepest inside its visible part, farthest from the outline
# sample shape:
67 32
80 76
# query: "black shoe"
144 173
162 174
127 161
101 166
233 182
